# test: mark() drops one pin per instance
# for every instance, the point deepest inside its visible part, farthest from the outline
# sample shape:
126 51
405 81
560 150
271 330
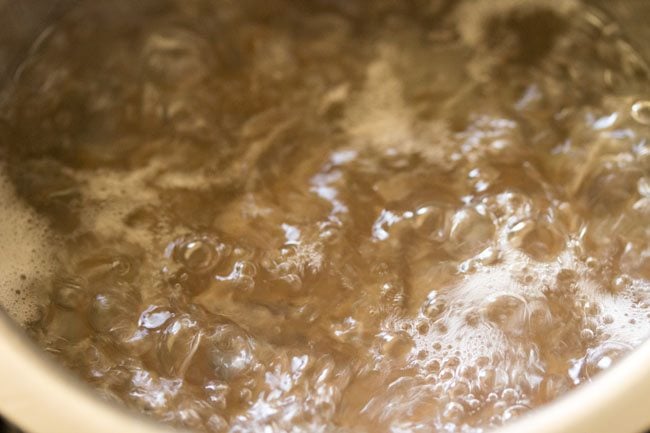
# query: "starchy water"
329 215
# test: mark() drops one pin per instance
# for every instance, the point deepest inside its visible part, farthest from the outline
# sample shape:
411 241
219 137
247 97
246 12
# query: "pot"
41 397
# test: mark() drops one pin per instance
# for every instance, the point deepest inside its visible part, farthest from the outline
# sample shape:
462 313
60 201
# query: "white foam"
25 254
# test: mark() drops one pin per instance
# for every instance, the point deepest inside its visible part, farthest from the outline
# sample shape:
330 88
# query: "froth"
25 254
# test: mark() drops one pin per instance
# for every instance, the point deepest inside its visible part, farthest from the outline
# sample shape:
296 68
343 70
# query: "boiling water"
244 216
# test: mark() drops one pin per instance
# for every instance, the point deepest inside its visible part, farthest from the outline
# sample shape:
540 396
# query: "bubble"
434 306
459 388
178 344
472 317
432 366
499 406
470 231
592 308
514 411
540 318
507 312
466 371
451 362
217 394
490 379
482 361
540 240
241 277
509 395
109 264
154 317
446 374
640 112
109 310
565 278
231 351
587 334
422 327
198 254
453 411
602 357
544 242
473 404
396 345
217 423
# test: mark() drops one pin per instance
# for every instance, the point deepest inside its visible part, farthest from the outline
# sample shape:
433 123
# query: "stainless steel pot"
41 397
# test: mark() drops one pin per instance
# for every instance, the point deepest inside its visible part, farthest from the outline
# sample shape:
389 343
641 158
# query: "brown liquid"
334 215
